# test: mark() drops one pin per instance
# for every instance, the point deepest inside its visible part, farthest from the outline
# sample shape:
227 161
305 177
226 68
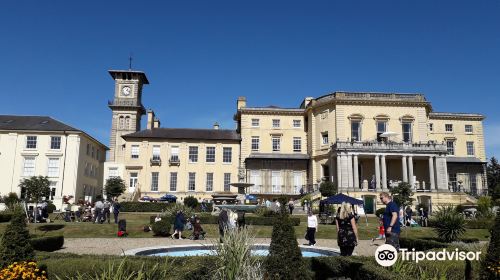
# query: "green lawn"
136 222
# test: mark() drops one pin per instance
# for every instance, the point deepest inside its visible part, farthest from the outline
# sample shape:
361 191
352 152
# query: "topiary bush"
328 189
15 245
51 227
191 201
491 262
161 228
380 211
449 225
47 243
51 207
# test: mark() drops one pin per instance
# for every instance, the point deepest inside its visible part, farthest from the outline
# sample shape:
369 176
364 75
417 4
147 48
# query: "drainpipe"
64 164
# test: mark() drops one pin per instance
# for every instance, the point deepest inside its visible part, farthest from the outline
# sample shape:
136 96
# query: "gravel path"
116 246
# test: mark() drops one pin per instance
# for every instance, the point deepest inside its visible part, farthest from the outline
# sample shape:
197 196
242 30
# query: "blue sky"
201 55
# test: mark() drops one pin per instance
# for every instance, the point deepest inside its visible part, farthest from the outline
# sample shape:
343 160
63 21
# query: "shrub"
285 258
402 194
265 212
268 221
15 245
10 199
191 201
449 225
5 217
480 223
351 267
161 228
50 227
491 263
172 211
304 198
484 204
420 244
23 270
380 211
145 206
51 207
47 243
328 188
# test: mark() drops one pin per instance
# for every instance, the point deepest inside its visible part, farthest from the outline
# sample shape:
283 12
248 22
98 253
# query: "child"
197 229
381 231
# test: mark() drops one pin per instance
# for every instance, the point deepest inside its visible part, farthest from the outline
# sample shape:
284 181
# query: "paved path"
116 246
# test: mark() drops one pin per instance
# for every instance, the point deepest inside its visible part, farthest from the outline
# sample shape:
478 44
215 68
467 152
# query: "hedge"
47 243
421 244
5 217
349 267
479 223
249 220
50 227
161 228
133 206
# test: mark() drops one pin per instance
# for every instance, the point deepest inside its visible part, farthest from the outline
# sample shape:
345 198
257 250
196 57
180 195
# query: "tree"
402 194
490 264
35 188
15 244
191 201
328 189
493 174
114 187
11 199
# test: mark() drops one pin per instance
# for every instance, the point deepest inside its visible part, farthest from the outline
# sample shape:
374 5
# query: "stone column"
441 174
356 174
410 171
345 172
350 171
377 172
431 173
405 171
339 172
384 173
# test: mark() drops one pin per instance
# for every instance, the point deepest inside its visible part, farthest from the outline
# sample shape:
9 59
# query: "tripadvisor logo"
387 255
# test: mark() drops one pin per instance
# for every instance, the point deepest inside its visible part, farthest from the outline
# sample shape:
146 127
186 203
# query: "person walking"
178 224
347 231
312 228
391 220
99 208
291 205
116 210
107 213
223 222
409 214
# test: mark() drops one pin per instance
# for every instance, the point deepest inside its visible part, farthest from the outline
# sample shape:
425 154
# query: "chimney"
307 101
151 117
216 125
241 103
156 123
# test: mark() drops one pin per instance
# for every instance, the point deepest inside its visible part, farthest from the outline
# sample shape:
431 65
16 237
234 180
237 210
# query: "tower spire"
130 62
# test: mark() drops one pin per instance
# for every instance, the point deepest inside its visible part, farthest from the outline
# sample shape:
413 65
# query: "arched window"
121 122
127 122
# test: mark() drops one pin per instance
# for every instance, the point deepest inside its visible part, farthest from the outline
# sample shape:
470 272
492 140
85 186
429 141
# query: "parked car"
147 198
168 198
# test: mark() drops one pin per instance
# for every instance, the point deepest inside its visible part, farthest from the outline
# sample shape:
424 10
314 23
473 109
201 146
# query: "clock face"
126 90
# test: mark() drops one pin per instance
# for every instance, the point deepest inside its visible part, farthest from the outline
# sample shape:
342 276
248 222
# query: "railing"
174 160
155 160
124 103
391 146
380 96
275 189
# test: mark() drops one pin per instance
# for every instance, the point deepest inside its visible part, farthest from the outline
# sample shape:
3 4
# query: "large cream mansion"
364 142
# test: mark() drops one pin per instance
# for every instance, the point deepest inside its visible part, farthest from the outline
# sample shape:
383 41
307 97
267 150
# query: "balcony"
276 189
174 160
155 160
374 147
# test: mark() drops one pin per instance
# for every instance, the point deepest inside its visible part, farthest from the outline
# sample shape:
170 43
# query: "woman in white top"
312 228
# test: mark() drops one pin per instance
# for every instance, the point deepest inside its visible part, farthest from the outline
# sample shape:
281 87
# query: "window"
52 186
134 151
156 152
468 128
127 122
121 122
191 182
431 127
452 179
255 122
55 142
193 154
324 138
31 142
276 144
88 149
227 182
86 170
296 123
407 137
93 152
53 169
297 144
473 183
448 127
470 148
29 166
98 155
356 130
256 180
450 147
174 154
210 182
276 123
154 181
173 181
133 180
210 154
381 128
113 172
255 143
227 154
276 181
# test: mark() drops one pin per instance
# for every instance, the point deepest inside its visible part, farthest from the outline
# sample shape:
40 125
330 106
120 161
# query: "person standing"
312 228
178 224
291 205
409 214
347 232
116 210
223 223
99 208
107 213
391 220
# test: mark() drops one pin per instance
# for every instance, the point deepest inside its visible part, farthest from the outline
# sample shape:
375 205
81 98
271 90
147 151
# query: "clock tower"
127 108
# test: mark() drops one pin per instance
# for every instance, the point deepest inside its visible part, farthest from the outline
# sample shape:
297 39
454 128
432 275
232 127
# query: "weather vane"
130 62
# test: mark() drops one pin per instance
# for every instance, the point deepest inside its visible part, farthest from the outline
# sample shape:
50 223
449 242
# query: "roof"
37 123
463 160
186 133
141 74
277 156
448 115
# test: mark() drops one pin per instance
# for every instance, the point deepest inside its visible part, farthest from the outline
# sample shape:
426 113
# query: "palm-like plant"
450 225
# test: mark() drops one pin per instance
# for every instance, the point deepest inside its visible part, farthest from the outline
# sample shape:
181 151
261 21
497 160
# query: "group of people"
275 205
98 212
181 224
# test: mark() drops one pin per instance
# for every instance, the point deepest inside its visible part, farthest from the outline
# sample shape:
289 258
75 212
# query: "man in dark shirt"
223 223
391 220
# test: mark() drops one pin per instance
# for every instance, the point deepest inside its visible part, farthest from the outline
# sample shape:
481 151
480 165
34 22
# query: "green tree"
285 258
191 201
15 244
490 263
328 188
35 188
449 225
402 194
484 204
11 199
493 174
114 187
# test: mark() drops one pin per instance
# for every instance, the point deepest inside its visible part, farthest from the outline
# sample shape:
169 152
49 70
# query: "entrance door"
297 181
369 202
276 181
133 182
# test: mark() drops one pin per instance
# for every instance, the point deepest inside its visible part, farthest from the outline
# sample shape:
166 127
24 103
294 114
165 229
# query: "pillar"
356 174
441 174
431 173
410 171
345 172
405 171
350 171
377 172
339 172
384 173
